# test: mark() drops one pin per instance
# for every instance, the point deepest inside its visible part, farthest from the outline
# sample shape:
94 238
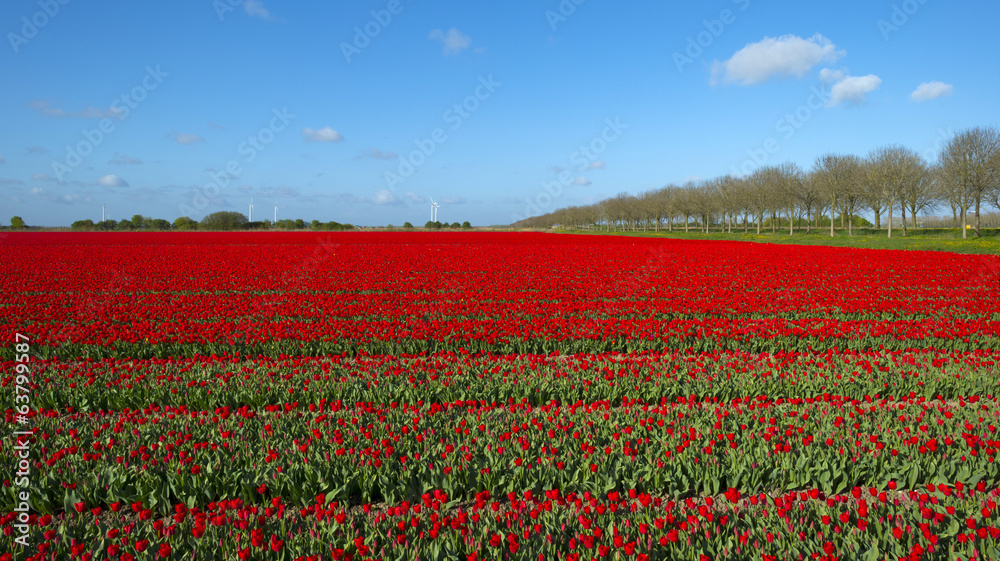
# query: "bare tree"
970 158
789 184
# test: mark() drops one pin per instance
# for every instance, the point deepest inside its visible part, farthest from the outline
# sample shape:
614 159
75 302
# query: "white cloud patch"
832 76
853 90
454 41
256 9
123 160
597 164
10 181
45 107
42 177
415 198
325 134
454 201
185 139
581 181
111 180
384 197
931 90
376 154
775 57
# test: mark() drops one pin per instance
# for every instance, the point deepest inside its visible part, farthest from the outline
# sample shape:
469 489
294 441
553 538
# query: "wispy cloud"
377 154
325 134
931 90
256 9
454 201
415 198
111 180
454 41
384 197
581 181
43 177
123 160
45 107
185 138
37 150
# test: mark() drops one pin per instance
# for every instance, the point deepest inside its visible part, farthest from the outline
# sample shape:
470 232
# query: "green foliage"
17 222
466 225
82 225
224 220
407 226
185 223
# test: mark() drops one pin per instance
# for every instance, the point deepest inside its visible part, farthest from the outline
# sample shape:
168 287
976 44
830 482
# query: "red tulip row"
170 295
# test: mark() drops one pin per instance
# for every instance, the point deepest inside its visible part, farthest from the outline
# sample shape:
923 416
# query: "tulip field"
494 396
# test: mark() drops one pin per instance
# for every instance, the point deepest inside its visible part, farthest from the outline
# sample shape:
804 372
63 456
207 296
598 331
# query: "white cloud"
931 90
256 8
454 201
775 57
185 139
832 76
415 198
582 181
122 159
454 41
853 89
111 180
42 177
385 197
46 108
325 134
10 181
596 164
377 154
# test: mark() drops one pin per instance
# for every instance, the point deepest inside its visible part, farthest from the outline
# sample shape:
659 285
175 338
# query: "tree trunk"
850 224
965 223
831 221
903 209
977 216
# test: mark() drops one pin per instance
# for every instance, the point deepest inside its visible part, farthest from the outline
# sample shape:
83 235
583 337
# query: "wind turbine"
276 212
250 215
436 207
103 207
433 206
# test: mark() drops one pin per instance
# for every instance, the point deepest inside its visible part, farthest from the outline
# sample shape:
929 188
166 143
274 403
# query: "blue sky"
347 111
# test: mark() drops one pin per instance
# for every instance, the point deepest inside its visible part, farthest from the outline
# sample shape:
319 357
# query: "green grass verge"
923 240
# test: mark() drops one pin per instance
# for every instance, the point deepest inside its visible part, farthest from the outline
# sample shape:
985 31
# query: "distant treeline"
224 220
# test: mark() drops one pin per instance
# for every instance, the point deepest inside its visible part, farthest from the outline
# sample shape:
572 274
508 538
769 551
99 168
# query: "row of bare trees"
966 177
